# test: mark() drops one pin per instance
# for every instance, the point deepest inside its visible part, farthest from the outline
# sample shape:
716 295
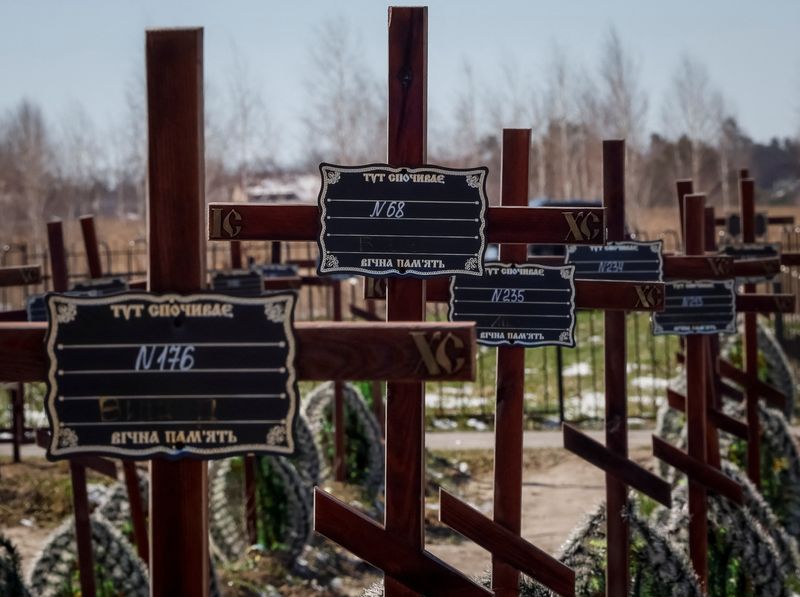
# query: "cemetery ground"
559 489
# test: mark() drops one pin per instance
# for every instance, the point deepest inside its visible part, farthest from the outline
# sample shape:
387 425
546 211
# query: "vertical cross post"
618 532
178 490
747 204
508 427
712 355
405 402
80 499
91 247
696 401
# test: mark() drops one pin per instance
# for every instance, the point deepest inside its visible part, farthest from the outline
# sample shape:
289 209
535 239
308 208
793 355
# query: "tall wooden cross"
398 546
611 296
179 531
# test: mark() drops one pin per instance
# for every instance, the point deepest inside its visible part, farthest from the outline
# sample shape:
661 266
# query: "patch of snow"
477 425
577 369
444 424
648 382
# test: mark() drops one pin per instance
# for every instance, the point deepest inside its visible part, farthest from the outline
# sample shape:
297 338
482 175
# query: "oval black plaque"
517 305
137 375
697 307
377 220
624 261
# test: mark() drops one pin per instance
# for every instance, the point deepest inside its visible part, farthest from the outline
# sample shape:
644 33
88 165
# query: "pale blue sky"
60 52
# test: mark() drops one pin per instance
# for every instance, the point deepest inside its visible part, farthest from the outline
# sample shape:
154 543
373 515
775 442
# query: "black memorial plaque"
623 261
137 375
238 283
702 307
517 305
746 251
378 221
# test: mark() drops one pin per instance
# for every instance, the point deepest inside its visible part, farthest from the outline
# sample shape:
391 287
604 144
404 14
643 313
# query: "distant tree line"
68 167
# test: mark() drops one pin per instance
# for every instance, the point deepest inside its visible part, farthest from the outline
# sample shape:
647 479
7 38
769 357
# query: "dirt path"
29 542
559 490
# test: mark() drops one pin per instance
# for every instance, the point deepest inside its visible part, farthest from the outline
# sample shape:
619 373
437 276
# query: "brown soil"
559 489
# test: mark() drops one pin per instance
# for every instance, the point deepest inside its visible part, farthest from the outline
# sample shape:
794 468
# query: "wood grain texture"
698 267
699 472
510 380
532 225
616 402
768 266
696 407
765 303
510 547
762 389
176 246
91 247
617 466
325 351
404 564
20 275
747 204
790 258
405 298
717 418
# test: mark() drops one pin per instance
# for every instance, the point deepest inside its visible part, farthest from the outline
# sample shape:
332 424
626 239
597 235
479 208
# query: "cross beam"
715 416
20 275
509 547
299 222
403 351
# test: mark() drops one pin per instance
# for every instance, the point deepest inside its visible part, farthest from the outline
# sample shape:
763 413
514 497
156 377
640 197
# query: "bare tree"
79 161
29 154
623 110
693 108
252 137
345 119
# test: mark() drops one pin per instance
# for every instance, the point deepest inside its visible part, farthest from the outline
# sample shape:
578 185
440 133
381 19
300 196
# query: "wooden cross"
398 546
613 457
398 351
615 297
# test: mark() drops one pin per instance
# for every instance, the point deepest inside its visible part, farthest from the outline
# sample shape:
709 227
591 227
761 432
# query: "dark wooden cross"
612 296
397 547
398 351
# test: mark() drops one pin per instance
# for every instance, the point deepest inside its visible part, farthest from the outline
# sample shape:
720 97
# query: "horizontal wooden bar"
589 294
790 258
282 282
505 545
104 466
746 268
770 393
418 570
397 351
363 314
20 275
729 391
620 467
697 267
14 315
700 472
137 284
524 225
717 418
765 303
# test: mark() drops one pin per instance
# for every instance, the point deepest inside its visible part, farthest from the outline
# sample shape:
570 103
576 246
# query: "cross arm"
402 351
20 275
770 393
618 466
790 258
765 303
697 471
718 418
505 545
589 294
767 266
416 569
296 222
698 267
